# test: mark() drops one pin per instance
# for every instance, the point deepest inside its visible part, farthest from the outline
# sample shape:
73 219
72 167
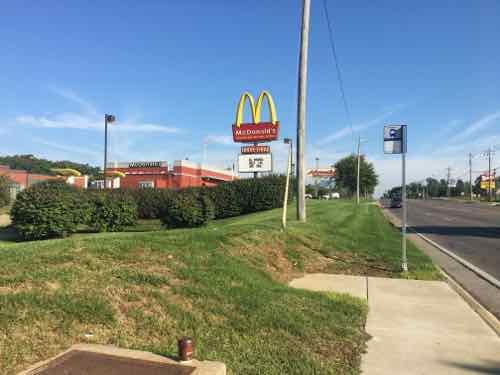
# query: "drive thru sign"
395 143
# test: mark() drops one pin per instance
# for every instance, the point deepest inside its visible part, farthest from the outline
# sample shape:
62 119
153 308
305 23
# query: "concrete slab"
424 327
105 354
321 282
417 327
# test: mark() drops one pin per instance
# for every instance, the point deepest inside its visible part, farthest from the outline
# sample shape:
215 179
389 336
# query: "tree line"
434 188
33 164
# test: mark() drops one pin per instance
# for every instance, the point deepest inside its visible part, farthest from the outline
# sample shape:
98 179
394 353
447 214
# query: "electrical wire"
337 67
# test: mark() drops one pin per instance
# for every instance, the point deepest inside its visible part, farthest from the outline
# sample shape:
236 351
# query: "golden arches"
256 109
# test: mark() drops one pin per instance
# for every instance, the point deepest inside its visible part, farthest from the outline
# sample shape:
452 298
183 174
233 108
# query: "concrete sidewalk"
417 327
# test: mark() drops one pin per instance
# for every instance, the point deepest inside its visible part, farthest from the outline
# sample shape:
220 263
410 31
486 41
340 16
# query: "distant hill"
33 164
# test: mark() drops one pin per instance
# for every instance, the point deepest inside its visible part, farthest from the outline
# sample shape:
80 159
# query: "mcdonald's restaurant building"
162 175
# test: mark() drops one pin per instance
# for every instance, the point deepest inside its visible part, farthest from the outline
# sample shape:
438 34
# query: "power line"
337 67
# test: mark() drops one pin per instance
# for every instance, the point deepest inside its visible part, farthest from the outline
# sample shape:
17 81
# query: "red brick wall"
180 177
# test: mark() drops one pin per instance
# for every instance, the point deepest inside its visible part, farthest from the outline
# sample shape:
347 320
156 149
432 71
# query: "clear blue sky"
172 72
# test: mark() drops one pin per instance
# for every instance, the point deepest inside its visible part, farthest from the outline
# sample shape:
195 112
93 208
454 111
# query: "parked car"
334 195
309 196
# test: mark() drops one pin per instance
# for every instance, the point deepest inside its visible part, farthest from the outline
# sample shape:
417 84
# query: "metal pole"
291 171
105 148
301 112
489 174
357 179
285 199
403 199
470 176
255 174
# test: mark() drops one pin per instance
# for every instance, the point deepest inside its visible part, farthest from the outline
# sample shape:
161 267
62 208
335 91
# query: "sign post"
395 143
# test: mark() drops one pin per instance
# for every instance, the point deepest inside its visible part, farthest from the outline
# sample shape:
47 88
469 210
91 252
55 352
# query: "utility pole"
489 174
301 112
470 176
357 179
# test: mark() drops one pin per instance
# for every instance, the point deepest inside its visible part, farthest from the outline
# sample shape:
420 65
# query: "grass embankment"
221 284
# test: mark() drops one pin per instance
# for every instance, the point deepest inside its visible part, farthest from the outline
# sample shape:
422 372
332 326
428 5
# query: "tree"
4 191
459 188
33 164
432 187
346 175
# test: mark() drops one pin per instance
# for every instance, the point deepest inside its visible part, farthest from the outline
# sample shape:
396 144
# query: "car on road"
395 202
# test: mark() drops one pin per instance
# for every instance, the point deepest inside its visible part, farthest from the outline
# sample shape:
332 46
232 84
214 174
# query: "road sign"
321 172
394 139
250 163
395 143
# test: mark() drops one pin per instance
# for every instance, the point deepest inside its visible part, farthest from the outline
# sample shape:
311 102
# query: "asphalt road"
471 231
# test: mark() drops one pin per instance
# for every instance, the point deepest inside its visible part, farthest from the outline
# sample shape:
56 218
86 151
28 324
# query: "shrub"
188 208
248 195
48 209
151 202
111 211
4 191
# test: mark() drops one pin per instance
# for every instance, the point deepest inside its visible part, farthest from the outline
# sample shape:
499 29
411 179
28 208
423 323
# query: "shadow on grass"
9 234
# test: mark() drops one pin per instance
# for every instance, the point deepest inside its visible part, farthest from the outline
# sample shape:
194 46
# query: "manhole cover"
77 362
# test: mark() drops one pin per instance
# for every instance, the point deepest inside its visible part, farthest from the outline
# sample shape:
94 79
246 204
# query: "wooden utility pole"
301 112
489 174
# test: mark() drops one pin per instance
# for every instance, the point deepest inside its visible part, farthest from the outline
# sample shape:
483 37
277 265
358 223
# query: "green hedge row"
55 209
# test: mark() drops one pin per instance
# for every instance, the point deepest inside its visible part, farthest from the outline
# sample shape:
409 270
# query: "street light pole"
107 119
105 149
301 112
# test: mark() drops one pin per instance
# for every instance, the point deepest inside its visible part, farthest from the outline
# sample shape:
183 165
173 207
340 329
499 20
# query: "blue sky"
172 72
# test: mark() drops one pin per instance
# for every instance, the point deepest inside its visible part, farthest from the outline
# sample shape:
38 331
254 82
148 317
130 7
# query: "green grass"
223 284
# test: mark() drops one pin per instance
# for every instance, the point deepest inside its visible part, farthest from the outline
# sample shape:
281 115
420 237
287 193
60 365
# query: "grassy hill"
223 284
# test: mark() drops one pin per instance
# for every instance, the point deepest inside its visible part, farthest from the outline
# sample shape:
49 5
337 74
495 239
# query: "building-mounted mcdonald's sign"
256 131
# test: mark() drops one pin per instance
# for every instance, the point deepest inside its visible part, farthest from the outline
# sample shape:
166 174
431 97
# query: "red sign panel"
322 172
255 149
261 132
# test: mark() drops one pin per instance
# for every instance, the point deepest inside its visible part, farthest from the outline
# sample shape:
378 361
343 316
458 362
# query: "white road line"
483 274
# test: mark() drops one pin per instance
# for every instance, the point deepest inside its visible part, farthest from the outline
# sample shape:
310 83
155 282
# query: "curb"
488 317
485 315
484 275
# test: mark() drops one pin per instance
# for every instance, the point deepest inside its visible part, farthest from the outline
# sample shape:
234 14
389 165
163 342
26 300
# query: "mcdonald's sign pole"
301 112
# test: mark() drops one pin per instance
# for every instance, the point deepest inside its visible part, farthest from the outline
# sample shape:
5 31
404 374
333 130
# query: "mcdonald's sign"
256 131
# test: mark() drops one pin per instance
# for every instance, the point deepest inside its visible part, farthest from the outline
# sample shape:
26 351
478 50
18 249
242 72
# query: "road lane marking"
483 274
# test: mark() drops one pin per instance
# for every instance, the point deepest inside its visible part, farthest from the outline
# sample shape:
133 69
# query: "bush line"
55 209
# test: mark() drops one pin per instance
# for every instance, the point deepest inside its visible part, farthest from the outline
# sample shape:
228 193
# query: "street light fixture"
108 119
